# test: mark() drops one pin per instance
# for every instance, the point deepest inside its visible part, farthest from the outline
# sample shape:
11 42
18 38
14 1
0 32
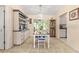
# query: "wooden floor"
56 46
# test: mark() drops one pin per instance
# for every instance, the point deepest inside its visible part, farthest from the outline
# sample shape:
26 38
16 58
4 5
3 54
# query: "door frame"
2 6
4 27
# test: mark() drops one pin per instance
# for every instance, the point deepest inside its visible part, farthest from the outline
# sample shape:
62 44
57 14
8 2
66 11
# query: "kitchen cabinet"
63 25
19 27
63 31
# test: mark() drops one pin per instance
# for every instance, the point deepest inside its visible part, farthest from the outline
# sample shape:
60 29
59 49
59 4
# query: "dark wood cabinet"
52 28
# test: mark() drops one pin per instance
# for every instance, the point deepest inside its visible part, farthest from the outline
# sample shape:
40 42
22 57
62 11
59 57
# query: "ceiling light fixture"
40 15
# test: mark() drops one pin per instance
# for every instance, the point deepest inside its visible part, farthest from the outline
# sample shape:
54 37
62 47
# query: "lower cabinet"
63 33
18 38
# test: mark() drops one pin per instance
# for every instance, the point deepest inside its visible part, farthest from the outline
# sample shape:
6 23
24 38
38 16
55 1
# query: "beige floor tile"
56 46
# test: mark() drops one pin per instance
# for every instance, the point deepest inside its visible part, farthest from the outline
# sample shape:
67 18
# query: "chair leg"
44 44
38 43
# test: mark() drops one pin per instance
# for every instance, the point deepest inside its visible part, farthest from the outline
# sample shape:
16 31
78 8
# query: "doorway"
52 28
2 27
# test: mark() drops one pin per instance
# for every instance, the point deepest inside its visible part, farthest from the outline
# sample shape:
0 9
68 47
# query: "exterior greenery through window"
40 26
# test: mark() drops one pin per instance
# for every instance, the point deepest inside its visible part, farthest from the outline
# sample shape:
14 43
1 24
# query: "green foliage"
40 25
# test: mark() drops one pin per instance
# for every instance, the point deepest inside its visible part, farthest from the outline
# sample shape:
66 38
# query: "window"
40 26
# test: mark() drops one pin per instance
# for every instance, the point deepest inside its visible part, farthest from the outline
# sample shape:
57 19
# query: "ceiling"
45 9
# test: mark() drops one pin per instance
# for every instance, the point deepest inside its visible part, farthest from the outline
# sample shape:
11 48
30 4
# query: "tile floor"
56 46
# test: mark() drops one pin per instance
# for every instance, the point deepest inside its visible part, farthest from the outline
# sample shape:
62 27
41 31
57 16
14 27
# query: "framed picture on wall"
74 14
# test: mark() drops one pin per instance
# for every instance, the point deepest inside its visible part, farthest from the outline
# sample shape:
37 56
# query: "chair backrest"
40 37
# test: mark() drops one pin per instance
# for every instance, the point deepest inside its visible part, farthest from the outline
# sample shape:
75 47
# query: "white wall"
8 27
72 27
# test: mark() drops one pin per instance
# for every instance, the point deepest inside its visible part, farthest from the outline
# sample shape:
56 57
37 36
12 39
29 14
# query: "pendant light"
40 15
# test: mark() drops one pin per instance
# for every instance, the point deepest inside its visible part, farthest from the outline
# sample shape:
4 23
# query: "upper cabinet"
19 21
